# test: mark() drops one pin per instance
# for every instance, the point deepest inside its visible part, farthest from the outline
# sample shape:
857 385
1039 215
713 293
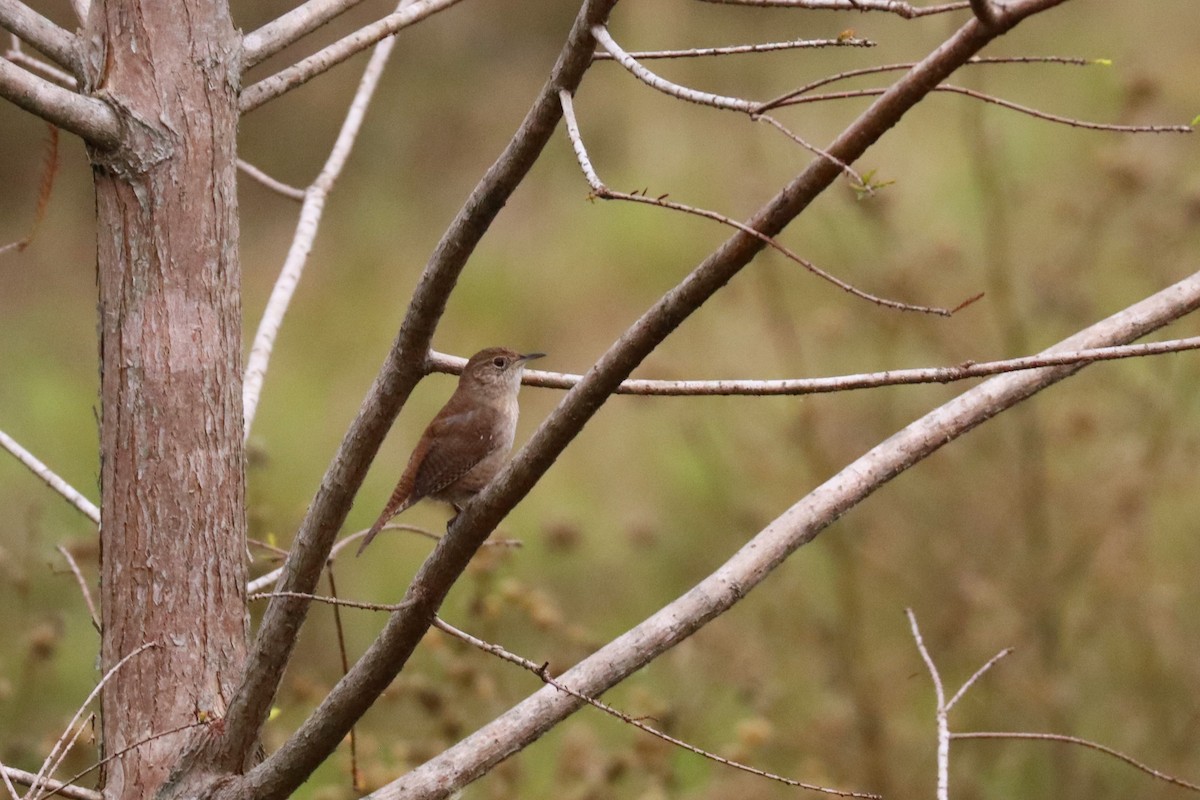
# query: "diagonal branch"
51 479
793 529
87 117
898 7
302 71
402 369
40 32
261 44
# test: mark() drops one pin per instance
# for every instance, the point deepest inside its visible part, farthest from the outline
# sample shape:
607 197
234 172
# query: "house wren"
467 442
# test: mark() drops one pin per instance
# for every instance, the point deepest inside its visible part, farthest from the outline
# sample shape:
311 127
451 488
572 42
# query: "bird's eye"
499 362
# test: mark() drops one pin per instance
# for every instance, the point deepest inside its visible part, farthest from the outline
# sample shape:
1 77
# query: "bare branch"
306 233
1058 737
82 7
440 362
285 29
302 71
290 192
978 674
403 368
87 117
40 32
768 47
83 587
55 787
943 722
8 784
543 672
898 7
881 68
85 506
987 98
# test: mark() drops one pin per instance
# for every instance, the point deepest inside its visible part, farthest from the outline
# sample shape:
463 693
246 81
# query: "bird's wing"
459 442
450 447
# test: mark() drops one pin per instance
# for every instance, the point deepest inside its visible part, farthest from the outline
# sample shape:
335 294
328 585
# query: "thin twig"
1057 737
943 723
767 47
656 81
48 71
987 98
883 68
600 190
355 783
278 186
43 772
39 789
543 672
83 587
113 756
898 7
306 233
263 581
440 362
978 674
70 493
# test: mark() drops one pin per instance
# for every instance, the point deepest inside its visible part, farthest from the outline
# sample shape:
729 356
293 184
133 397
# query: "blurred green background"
1065 529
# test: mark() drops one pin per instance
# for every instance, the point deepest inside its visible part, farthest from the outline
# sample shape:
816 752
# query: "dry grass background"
1065 529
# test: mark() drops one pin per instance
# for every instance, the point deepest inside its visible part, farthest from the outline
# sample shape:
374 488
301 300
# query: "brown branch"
440 362
543 672
49 170
402 369
83 587
40 32
984 12
1058 737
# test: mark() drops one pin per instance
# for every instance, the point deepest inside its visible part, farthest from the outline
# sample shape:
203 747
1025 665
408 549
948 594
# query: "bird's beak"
530 356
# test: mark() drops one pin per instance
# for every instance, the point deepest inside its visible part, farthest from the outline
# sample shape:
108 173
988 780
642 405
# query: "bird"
467 443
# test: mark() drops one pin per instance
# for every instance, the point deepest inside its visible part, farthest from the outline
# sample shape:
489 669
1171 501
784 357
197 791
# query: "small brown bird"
468 441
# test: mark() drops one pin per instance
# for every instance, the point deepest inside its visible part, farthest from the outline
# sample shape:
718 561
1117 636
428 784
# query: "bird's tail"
396 503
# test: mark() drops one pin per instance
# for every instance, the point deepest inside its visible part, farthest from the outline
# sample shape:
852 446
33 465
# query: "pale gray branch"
48 476
440 362
302 71
898 7
86 117
277 186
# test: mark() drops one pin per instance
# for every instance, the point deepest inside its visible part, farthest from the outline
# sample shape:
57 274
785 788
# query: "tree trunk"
172 477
